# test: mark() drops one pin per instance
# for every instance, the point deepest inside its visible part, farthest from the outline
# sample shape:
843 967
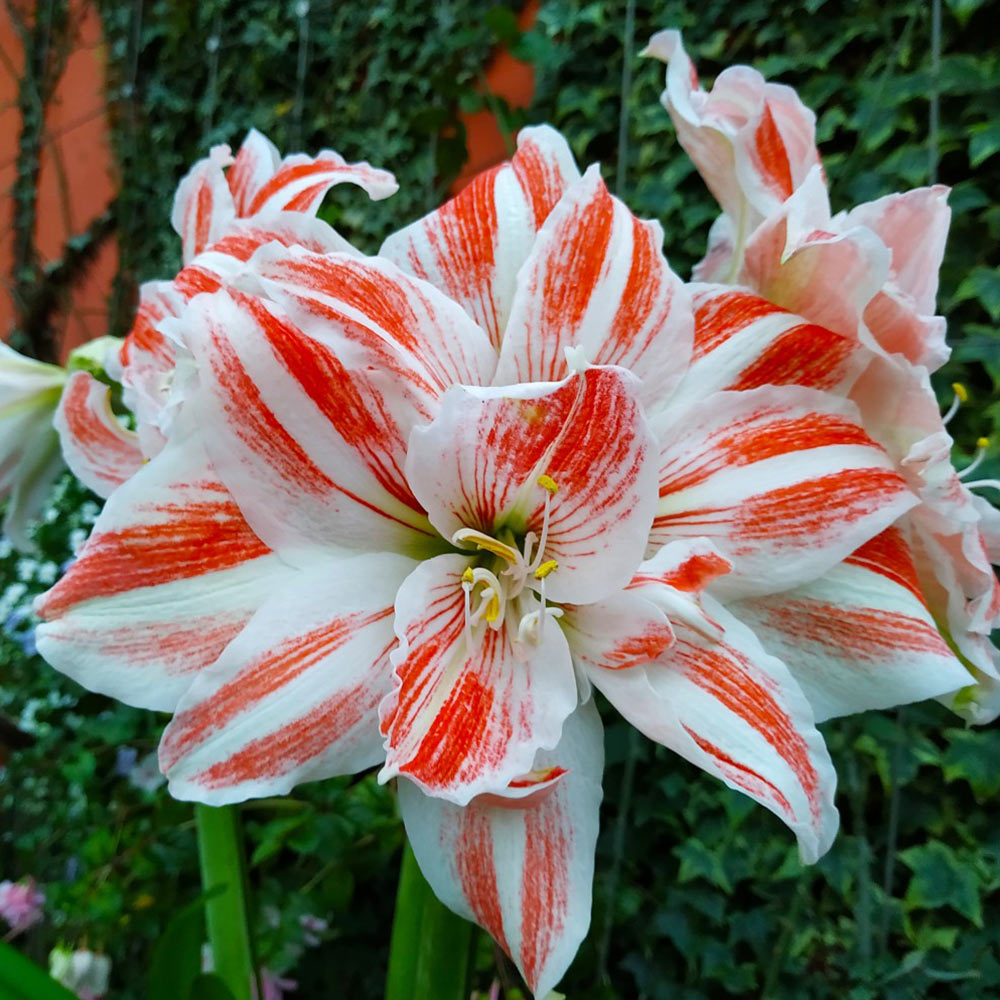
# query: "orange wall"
76 181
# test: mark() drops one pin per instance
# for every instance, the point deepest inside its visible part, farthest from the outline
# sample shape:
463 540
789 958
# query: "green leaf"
940 878
982 283
971 756
984 143
176 960
698 861
21 979
208 986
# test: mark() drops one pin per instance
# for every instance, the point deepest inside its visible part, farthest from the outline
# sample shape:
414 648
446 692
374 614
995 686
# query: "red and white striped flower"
222 216
844 303
414 506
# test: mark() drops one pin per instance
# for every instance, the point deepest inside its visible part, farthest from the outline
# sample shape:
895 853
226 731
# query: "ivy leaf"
982 283
971 756
941 878
984 143
697 861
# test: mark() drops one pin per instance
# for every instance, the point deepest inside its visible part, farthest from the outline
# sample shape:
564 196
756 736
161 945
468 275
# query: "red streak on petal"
540 179
806 355
745 777
729 678
203 216
812 507
186 540
296 742
861 635
178 648
772 155
691 576
638 649
259 679
111 451
477 872
888 555
722 316
288 175
544 893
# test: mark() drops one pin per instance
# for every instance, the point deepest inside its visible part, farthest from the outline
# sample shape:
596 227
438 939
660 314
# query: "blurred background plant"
698 893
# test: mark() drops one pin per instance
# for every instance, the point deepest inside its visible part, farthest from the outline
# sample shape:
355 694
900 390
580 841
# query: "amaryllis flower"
21 903
413 508
29 449
753 142
851 298
222 217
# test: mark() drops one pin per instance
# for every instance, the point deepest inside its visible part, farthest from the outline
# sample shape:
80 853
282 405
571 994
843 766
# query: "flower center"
513 575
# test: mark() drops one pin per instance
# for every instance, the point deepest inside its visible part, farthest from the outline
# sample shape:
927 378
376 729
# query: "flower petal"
860 637
376 316
99 451
782 479
203 205
312 451
301 182
467 718
622 631
473 246
477 465
168 577
294 697
734 710
743 341
596 278
256 163
523 874
753 142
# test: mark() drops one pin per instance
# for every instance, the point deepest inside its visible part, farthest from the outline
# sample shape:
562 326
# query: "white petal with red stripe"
169 576
597 279
753 142
473 246
743 341
477 465
301 182
471 708
294 697
783 480
735 711
312 451
226 258
523 874
622 631
377 316
860 637
98 449
256 163
203 205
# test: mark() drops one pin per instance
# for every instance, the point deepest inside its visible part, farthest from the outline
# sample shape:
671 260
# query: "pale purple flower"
21 903
313 928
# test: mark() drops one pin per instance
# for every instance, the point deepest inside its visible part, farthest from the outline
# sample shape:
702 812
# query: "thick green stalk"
223 874
431 946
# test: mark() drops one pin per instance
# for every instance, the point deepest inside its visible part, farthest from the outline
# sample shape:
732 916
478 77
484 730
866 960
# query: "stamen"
548 484
576 359
467 588
990 484
545 532
982 445
547 567
529 628
961 396
485 542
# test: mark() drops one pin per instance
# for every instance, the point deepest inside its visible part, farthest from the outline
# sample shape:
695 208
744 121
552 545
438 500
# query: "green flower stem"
223 874
431 946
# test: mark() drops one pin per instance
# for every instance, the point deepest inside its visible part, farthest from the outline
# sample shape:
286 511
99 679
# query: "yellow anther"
492 609
982 442
468 576
960 391
548 484
547 567
485 542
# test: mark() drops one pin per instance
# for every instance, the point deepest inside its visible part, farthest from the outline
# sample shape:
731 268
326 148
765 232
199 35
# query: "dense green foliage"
705 897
